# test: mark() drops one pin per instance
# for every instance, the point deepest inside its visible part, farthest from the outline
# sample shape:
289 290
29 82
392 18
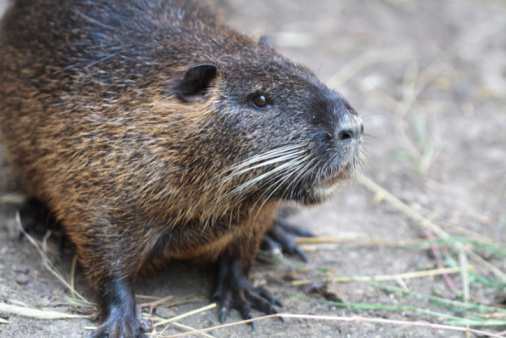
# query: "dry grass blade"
465 280
80 303
73 275
173 319
191 329
433 327
359 241
390 198
13 198
37 313
401 276
468 233
223 326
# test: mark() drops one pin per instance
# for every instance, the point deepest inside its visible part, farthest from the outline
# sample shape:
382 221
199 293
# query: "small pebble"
22 279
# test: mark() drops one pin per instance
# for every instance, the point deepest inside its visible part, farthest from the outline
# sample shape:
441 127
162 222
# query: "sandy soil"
443 154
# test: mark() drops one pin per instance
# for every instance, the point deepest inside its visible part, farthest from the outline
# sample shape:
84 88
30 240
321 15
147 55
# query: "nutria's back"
152 131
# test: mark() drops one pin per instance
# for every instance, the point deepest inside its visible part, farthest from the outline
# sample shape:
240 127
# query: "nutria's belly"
206 251
196 248
205 243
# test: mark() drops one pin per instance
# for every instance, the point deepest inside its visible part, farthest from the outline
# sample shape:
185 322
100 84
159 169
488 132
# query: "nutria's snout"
341 156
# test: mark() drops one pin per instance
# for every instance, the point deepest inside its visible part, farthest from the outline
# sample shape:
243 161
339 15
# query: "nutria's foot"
119 326
234 291
121 316
282 236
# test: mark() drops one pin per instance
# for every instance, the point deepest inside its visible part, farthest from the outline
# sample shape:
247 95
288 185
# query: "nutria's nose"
351 127
351 130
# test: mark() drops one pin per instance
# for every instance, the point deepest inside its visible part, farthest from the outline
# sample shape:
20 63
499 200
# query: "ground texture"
429 79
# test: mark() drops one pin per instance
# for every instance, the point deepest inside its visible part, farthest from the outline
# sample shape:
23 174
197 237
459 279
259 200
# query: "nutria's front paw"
119 326
282 235
234 291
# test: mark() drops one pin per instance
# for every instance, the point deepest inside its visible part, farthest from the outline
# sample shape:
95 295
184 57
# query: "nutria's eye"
261 101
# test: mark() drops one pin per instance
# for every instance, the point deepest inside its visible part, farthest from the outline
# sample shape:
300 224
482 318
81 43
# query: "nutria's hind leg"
281 236
117 301
234 291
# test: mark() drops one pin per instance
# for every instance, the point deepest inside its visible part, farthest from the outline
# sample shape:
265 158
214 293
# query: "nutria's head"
274 130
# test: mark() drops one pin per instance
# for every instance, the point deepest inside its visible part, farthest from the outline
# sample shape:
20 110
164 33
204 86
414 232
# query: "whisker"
263 164
300 173
267 155
246 186
265 198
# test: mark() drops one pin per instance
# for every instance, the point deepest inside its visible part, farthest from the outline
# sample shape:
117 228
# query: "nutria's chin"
324 188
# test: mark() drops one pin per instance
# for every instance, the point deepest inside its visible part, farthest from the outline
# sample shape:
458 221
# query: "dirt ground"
429 79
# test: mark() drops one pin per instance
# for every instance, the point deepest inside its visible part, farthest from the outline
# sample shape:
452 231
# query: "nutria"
154 132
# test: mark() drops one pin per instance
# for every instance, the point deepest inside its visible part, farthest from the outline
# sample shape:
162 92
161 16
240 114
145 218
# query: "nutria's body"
153 132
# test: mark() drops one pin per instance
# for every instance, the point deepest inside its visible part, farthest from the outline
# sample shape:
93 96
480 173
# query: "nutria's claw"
280 318
223 314
282 236
234 291
119 327
299 252
243 297
268 296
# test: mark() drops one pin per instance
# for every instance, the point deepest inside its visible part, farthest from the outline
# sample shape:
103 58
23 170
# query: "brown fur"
96 125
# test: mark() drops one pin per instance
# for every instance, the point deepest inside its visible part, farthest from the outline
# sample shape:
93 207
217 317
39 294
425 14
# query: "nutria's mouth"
325 188
330 182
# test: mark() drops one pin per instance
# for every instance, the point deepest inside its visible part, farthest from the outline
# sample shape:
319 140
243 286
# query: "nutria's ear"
266 41
196 81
